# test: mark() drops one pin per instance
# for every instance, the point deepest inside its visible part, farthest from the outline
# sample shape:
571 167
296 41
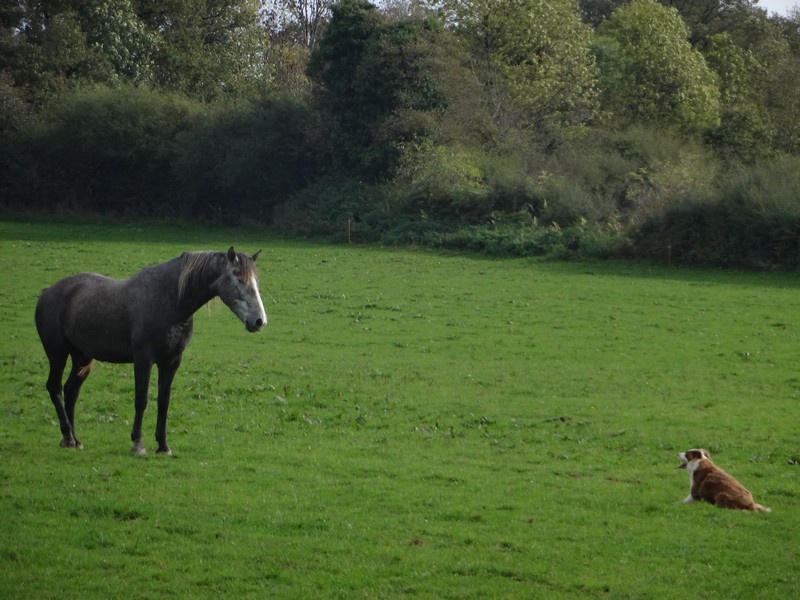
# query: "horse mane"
194 264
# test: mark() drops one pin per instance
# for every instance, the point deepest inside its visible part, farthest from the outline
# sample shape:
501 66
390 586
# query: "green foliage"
443 184
511 188
13 108
665 170
457 188
621 178
543 54
756 224
509 239
211 49
50 54
133 151
707 18
651 71
566 203
745 131
335 62
115 31
409 424
375 87
336 208
769 188
103 150
60 46
286 69
238 164
334 67
595 12
783 101
538 51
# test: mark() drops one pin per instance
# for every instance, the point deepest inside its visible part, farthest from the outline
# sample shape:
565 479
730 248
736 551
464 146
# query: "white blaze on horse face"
244 300
256 306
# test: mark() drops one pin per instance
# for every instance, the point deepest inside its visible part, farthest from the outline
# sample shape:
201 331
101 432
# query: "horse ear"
232 255
256 255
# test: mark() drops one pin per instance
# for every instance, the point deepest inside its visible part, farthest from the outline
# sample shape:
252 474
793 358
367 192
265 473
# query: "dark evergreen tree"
375 87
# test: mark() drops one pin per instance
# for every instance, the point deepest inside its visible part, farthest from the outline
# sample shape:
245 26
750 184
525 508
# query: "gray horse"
144 320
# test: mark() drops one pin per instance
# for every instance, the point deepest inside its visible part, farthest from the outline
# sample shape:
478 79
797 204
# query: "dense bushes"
133 151
239 163
334 207
102 150
755 223
631 192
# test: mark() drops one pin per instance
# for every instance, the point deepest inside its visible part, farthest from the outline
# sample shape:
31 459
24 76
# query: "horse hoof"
73 443
138 450
165 451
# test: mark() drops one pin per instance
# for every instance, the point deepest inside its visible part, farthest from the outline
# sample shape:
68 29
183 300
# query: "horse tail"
84 371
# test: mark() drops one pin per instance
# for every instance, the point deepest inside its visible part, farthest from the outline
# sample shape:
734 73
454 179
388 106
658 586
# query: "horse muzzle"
256 324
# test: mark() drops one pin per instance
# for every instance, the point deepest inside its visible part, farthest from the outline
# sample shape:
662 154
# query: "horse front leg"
141 374
166 375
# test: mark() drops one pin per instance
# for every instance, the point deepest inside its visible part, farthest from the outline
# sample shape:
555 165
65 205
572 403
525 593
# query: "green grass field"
410 424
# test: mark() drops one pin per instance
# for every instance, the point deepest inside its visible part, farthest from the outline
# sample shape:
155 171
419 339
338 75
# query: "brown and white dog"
712 484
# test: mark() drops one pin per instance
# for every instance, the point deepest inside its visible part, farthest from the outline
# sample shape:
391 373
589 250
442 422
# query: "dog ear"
705 454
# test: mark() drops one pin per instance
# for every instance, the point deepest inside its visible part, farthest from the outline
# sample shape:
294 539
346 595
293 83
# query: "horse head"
237 287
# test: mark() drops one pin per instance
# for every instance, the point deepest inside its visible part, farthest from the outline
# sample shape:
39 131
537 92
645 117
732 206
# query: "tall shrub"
105 150
242 161
755 224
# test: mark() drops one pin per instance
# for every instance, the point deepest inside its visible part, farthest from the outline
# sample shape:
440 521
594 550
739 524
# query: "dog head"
690 458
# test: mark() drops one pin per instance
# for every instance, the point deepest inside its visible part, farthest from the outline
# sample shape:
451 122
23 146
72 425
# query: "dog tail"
760 508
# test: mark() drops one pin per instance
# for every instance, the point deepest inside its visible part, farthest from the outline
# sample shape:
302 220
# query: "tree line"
667 129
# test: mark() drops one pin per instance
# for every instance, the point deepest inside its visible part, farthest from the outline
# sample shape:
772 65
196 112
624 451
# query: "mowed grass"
410 424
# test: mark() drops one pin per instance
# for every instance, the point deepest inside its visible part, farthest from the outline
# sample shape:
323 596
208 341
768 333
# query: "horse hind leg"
81 367
57 364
